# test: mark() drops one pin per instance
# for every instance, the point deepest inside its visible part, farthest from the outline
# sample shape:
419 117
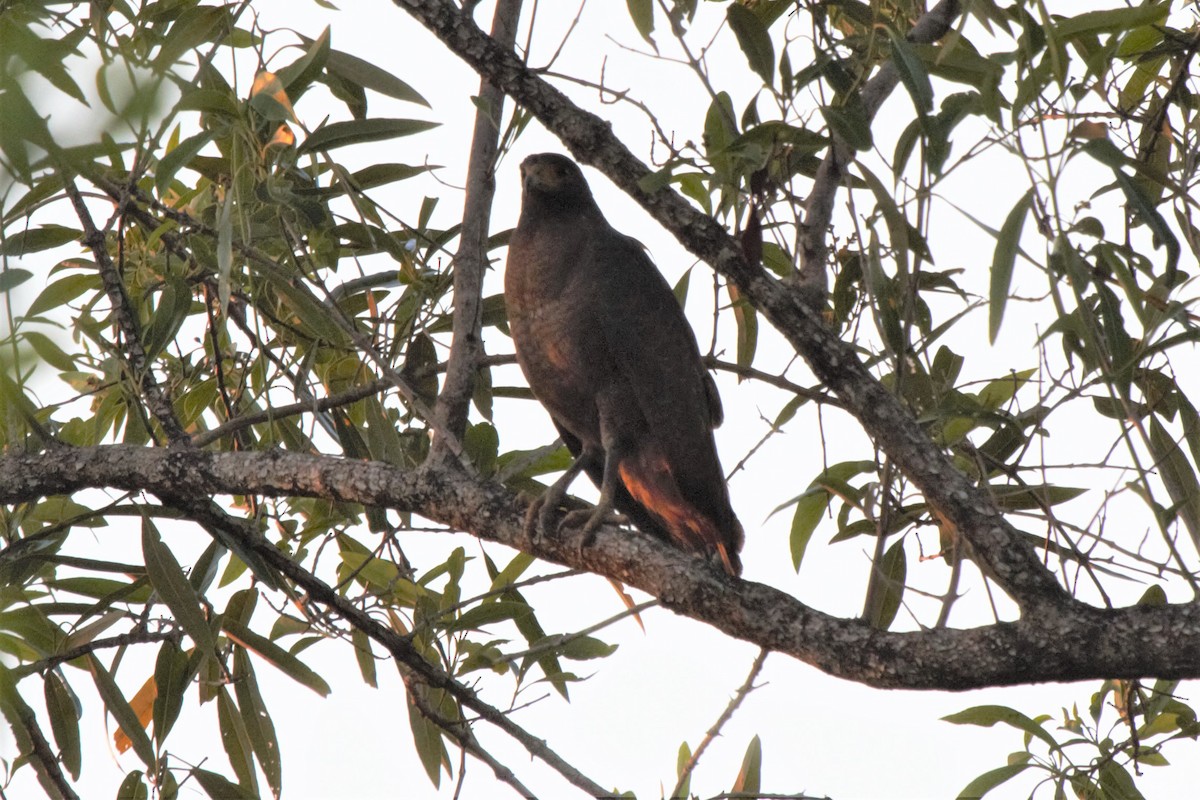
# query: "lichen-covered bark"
1053 643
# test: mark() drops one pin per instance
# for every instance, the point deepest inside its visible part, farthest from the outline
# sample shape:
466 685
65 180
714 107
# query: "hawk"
607 350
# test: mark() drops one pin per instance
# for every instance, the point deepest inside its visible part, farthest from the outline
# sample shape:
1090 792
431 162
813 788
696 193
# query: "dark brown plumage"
607 350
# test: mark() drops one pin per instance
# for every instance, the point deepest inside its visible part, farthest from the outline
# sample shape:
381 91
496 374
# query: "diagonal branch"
134 354
818 206
1058 643
968 510
413 664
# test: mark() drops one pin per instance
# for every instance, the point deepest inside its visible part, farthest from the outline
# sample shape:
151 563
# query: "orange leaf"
142 705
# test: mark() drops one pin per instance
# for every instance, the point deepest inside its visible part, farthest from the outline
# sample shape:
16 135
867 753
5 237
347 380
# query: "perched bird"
607 350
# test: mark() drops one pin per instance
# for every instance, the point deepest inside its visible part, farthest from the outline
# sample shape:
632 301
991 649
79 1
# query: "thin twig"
715 730
114 287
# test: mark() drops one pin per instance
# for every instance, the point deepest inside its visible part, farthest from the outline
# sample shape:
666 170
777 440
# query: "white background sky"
623 727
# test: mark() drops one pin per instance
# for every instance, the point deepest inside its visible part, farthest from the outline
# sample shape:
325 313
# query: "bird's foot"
541 519
592 520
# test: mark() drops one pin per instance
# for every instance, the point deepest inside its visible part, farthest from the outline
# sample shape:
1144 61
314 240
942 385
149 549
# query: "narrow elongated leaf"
369 76
988 715
809 510
172 586
365 658
1111 21
754 40
1003 258
642 14
912 73
236 741
13 277
36 240
990 780
681 761
259 727
749 777
62 291
64 722
179 157
427 739
747 327
276 656
142 704
218 787
171 679
887 588
341 134
121 711
1178 476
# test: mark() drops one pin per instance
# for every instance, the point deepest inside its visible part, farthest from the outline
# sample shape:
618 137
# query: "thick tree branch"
1057 643
996 545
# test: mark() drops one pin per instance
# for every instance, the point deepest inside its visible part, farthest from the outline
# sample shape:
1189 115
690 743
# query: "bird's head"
552 181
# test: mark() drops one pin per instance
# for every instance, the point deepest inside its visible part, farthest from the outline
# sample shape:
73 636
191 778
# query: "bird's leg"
539 519
603 512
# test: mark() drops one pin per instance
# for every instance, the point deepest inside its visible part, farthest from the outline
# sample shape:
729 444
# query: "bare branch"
715 730
470 261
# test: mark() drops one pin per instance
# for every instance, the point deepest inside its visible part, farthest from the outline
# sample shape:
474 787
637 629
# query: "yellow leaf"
142 705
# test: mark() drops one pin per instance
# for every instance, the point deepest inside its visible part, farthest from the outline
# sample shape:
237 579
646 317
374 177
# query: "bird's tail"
649 481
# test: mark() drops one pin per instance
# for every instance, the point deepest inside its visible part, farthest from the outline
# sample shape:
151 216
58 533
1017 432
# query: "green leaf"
427 739
172 676
63 291
369 76
912 72
754 40
988 715
486 614
1117 783
1177 476
134 787
585 648
642 14
365 658
121 711
218 787
342 134
1117 20
12 277
179 156
64 721
681 288
35 240
850 124
1008 242
809 510
1020 498
749 777
236 740
681 762
284 661
167 578
990 780
259 728
887 588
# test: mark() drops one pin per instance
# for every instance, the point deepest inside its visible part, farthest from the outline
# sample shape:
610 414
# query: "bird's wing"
654 352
